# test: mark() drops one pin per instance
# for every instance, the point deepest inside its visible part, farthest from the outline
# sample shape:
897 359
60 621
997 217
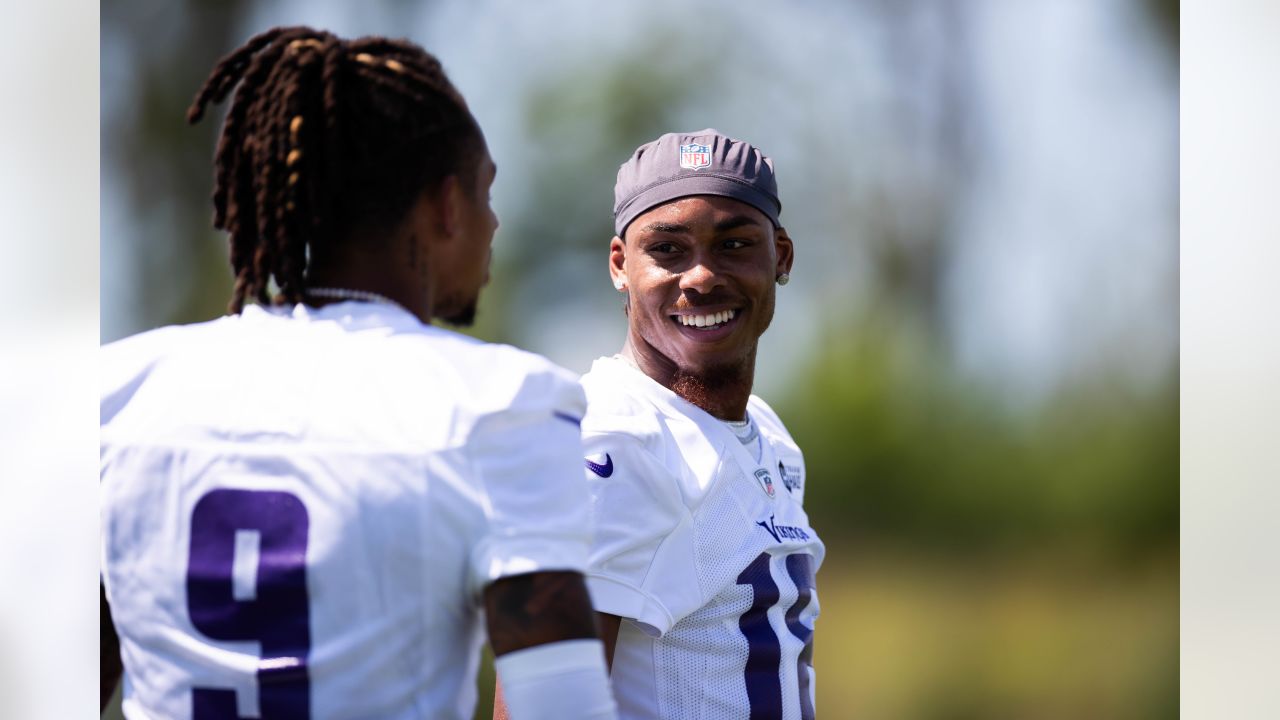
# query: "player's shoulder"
768 422
616 404
190 341
125 363
147 345
484 356
500 376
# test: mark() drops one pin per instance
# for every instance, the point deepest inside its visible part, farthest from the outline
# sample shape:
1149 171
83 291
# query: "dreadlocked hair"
325 137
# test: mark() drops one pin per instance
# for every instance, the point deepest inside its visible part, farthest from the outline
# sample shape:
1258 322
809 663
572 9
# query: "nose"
700 277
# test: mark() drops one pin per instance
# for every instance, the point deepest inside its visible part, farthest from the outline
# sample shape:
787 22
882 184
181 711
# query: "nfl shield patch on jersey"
766 481
695 156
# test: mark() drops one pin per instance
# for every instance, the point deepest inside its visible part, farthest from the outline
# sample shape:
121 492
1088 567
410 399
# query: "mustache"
693 302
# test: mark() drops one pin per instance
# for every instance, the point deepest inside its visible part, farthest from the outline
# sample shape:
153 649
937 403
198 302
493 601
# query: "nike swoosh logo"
567 418
604 470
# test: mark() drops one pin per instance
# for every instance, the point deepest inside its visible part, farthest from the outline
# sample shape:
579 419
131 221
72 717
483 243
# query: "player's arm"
528 457
525 611
608 625
548 658
109 664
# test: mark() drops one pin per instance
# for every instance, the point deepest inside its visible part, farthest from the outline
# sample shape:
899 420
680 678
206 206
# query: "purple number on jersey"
273 609
800 568
764 650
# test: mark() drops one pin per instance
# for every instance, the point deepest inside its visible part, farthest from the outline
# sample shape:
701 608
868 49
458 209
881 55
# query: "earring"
619 285
783 278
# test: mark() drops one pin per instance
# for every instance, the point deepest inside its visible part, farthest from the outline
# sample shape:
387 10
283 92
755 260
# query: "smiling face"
700 272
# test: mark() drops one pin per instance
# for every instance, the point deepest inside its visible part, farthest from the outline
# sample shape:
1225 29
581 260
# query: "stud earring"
619 285
783 278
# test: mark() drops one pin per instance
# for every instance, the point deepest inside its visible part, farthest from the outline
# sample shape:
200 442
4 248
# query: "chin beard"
700 387
464 317
458 312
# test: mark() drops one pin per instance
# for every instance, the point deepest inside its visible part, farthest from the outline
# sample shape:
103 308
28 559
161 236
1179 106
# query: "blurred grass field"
1025 638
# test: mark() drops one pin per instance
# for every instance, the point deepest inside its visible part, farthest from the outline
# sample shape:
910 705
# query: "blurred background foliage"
977 353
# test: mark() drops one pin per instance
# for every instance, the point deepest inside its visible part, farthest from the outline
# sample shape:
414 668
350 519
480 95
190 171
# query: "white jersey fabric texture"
301 507
706 554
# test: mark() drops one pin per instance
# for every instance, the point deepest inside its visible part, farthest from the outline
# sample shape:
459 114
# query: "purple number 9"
229 598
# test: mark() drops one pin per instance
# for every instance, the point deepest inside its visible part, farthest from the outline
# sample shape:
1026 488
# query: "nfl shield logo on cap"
694 156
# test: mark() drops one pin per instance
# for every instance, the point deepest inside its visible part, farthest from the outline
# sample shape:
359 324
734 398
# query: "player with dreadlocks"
329 141
315 532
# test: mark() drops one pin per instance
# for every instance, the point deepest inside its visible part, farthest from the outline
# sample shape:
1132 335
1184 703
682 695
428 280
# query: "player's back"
300 510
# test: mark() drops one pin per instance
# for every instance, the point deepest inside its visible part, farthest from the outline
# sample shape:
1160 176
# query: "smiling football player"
704 560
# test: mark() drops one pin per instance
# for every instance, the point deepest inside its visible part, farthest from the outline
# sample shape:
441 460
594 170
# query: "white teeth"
711 320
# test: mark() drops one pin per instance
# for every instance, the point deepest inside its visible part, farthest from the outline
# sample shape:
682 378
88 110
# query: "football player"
311 506
703 564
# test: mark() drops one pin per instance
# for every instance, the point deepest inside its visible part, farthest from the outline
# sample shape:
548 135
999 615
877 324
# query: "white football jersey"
706 553
301 507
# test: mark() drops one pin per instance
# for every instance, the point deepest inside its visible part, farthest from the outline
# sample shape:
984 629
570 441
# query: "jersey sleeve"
527 459
640 559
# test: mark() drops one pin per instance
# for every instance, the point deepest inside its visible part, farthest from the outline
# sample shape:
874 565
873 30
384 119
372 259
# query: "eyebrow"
735 222
669 228
726 225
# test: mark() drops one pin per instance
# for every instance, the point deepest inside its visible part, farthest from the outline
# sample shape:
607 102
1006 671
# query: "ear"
618 263
451 202
786 251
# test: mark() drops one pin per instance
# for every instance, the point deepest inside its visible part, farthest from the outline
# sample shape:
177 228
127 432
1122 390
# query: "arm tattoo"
527 610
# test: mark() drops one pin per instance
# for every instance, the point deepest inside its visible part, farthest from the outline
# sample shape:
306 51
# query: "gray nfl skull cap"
706 162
